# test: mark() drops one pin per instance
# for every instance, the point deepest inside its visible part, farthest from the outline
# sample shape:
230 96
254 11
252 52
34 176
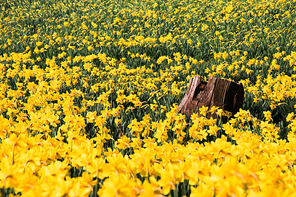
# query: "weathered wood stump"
221 93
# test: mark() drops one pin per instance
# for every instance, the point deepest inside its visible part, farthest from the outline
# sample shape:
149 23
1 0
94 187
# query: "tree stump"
221 93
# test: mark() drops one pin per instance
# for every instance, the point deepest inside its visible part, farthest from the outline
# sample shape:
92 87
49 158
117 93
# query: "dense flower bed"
90 91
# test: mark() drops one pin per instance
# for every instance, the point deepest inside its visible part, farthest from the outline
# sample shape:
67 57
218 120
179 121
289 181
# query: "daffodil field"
90 92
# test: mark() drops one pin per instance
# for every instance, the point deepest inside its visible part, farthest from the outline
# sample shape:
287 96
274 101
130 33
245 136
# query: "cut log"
217 92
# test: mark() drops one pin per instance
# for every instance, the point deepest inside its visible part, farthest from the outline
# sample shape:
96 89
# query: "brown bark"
221 93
